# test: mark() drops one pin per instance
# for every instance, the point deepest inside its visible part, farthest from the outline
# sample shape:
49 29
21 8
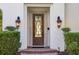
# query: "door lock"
48 28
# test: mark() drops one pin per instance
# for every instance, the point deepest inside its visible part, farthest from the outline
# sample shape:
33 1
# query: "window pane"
38 28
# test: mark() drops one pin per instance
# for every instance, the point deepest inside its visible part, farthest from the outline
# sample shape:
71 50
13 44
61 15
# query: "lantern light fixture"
59 22
18 22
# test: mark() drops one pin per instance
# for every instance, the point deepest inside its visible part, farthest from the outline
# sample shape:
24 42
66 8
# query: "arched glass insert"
0 20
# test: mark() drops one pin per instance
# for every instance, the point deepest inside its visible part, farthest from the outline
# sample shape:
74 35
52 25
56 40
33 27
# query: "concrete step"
38 51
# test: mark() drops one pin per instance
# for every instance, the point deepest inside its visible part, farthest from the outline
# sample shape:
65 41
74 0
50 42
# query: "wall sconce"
59 22
18 22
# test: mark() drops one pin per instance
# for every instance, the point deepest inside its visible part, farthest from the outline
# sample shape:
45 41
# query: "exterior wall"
56 9
11 11
67 12
72 16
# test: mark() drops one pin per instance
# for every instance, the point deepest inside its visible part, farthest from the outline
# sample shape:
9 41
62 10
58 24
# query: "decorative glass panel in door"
38 28
38 32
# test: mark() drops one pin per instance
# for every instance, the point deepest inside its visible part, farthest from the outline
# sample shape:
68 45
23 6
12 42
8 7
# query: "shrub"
73 48
10 28
0 25
0 14
66 29
72 42
9 42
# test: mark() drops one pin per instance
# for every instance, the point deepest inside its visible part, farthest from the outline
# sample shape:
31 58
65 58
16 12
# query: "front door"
38 29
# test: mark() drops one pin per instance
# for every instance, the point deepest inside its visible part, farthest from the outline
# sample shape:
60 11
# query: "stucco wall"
72 16
11 11
56 9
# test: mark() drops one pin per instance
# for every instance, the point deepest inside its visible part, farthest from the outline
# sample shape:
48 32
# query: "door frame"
46 12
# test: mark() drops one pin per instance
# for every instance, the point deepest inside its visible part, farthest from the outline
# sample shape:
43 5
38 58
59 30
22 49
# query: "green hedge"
72 42
0 14
0 25
9 42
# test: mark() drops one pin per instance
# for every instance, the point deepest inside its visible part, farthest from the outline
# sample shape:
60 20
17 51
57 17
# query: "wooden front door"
38 29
